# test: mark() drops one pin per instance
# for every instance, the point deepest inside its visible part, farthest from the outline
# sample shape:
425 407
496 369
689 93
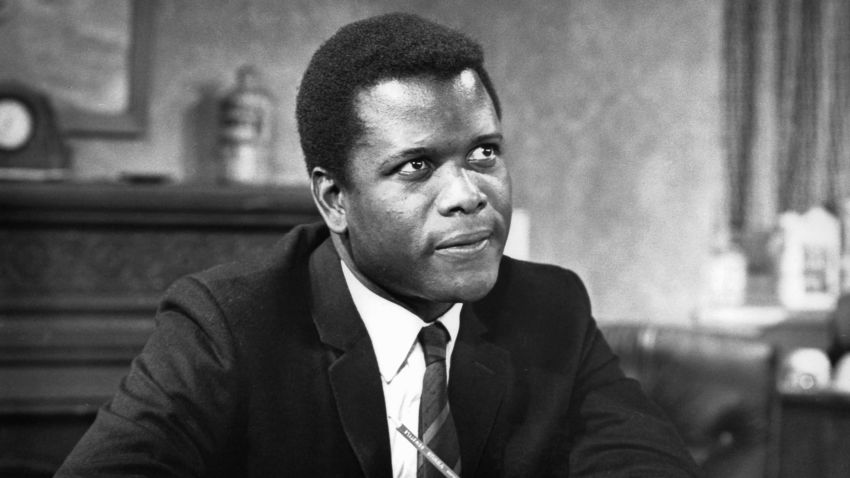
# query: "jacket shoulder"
542 303
539 286
242 289
293 249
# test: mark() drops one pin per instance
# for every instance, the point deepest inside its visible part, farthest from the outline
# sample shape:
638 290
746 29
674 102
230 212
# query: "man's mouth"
465 243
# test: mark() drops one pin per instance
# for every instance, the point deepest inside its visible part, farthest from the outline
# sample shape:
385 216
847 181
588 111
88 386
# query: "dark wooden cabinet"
81 270
815 435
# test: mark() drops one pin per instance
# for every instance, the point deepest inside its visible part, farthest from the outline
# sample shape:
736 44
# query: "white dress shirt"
394 330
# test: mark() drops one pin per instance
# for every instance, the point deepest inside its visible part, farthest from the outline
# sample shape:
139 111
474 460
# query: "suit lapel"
479 376
480 373
354 375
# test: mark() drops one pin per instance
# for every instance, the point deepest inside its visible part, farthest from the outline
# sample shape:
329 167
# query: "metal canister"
245 130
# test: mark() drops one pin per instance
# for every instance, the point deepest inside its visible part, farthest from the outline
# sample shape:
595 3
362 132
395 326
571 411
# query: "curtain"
739 51
787 103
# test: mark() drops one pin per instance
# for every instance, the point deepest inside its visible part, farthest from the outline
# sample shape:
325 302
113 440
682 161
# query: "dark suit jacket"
265 369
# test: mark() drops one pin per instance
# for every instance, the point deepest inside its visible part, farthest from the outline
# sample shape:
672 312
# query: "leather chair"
719 391
839 329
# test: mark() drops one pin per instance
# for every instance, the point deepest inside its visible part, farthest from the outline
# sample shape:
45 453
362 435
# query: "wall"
612 113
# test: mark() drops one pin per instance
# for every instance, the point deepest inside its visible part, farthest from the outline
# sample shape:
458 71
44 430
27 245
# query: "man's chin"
472 287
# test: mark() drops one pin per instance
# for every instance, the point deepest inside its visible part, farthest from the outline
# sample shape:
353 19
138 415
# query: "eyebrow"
489 137
412 152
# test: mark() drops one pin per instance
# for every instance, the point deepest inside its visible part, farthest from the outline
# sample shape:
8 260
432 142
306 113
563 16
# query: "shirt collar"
392 328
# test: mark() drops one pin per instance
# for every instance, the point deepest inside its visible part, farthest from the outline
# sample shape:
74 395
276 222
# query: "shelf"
168 205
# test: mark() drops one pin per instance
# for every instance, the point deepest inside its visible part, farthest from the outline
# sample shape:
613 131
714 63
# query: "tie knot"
434 339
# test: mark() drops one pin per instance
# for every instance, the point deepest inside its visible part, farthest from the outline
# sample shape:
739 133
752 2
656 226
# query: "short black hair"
360 55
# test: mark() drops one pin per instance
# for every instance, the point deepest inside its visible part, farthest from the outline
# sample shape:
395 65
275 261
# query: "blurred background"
689 159
613 114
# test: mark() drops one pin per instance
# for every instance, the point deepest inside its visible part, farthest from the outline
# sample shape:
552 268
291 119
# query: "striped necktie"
436 427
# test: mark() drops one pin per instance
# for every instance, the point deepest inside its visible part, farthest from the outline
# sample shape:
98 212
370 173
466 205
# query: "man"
316 360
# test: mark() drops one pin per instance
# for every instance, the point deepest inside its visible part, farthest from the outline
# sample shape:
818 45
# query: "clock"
30 142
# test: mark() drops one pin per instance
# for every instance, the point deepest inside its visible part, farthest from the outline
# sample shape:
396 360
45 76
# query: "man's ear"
329 198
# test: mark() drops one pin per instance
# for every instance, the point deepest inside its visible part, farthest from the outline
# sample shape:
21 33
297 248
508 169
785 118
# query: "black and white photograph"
413 239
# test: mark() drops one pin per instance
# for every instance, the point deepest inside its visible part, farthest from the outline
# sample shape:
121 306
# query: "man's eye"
414 167
484 155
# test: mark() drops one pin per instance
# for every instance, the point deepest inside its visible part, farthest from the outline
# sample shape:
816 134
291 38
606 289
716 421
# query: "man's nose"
460 194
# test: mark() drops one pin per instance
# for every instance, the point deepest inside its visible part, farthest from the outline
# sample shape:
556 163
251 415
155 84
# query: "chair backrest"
719 391
840 329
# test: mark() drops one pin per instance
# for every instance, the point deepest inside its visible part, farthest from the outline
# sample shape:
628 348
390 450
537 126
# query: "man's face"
428 198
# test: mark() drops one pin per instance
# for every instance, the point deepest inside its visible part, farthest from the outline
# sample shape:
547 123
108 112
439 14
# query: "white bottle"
808 262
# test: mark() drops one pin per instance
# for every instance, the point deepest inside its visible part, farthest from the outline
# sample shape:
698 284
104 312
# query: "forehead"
426 102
